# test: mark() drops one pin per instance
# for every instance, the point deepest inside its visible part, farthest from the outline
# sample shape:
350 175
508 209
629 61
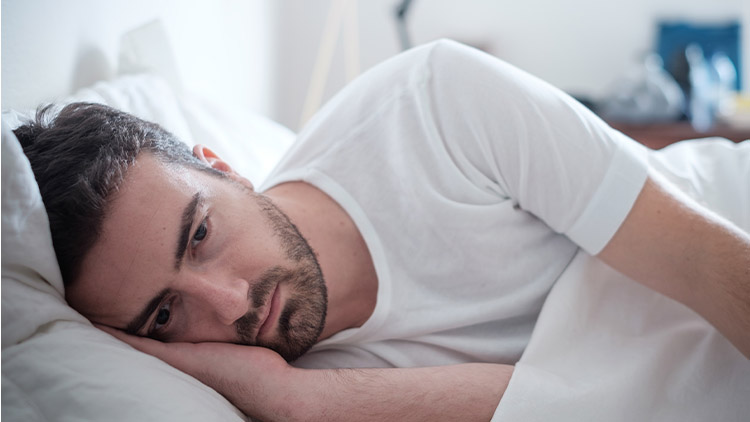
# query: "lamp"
403 33
342 13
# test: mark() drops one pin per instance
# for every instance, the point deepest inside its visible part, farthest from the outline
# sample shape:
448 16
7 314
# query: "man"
420 220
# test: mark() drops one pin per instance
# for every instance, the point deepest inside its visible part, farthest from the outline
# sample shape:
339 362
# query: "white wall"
50 47
582 46
260 53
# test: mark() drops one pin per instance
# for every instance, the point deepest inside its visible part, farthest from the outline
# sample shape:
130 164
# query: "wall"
582 46
260 53
50 48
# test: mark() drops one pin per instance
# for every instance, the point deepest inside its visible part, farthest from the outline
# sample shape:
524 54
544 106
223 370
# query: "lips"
271 313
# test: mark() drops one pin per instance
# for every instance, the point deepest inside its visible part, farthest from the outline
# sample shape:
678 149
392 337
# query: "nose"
226 297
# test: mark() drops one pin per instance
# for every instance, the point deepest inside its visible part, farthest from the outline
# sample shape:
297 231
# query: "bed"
604 348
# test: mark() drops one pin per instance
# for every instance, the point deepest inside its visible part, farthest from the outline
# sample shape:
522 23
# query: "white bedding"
55 365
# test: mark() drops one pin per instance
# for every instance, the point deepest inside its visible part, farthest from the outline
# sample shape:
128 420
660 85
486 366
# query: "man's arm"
679 248
465 392
261 384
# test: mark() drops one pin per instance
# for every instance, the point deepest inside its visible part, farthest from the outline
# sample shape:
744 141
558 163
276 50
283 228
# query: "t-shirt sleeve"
533 143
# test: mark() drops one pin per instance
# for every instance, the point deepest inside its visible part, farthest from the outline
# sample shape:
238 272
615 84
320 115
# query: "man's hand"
261 384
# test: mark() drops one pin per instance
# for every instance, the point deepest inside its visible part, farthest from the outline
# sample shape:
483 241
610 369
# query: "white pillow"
55 364
251 143
32 289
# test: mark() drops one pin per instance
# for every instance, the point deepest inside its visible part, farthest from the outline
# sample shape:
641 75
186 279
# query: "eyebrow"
138 322
188 216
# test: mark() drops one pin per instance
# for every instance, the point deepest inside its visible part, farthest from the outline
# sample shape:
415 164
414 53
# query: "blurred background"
656 69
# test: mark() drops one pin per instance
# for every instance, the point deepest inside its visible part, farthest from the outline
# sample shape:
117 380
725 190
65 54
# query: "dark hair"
79 157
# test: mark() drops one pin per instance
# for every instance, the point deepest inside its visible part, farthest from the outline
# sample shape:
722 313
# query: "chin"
300 326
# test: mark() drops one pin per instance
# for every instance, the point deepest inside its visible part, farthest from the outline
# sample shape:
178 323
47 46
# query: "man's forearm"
261 384
677 247
466 392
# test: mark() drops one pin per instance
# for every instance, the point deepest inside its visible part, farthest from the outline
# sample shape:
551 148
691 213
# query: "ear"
209 157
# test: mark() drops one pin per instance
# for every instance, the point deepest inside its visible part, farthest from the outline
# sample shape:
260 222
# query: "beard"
303 315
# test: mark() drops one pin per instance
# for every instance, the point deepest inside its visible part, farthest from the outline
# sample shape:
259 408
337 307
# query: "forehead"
138 234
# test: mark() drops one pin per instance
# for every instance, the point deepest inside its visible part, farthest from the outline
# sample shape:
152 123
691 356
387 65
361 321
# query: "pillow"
31 282
144 95
55 364
251 143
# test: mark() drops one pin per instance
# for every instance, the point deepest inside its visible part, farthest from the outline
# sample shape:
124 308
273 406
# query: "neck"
341 251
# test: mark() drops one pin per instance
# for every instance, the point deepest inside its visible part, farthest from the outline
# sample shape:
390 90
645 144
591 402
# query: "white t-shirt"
473 185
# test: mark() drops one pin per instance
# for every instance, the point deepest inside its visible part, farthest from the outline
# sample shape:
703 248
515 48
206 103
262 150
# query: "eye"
200 233
162 316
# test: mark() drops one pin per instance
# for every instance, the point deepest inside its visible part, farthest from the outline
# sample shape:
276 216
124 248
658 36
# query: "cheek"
245 240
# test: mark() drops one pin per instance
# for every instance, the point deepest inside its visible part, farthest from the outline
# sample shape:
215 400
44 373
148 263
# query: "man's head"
79 158
161 242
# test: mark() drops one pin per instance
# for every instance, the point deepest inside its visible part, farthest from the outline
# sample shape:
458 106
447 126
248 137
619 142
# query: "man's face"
188 256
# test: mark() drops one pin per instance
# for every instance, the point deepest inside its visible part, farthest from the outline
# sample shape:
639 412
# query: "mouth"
271 313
